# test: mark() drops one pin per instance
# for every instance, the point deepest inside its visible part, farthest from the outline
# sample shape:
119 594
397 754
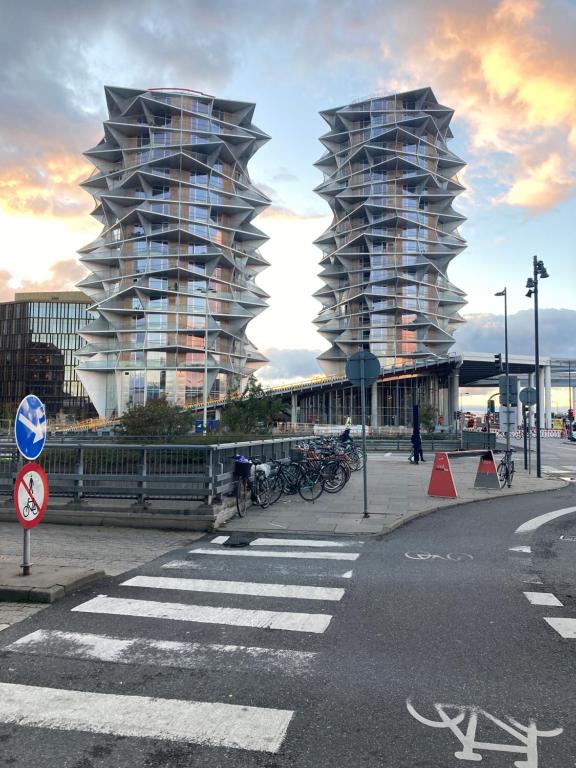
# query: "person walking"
416 441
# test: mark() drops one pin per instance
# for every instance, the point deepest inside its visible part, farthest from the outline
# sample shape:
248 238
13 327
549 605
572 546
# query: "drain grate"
565 537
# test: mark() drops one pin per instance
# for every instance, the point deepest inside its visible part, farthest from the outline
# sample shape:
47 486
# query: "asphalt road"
426 627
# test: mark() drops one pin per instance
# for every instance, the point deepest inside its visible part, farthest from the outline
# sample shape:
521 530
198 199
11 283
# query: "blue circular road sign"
30 427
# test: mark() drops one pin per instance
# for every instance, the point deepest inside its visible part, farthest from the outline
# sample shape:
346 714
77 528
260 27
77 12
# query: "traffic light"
491 406
498 362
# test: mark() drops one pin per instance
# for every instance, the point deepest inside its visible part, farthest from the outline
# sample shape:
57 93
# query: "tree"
250 411
158 418
428 416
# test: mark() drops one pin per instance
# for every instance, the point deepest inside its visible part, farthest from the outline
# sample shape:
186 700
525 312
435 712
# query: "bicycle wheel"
241 496
291 478
334 477
502 472
510 474
311 484
262 490
276 486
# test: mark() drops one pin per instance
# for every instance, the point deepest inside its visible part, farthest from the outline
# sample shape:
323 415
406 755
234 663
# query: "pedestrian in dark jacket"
345 437
416 441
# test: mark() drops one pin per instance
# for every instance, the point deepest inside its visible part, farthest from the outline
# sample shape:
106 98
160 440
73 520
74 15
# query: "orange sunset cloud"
506 71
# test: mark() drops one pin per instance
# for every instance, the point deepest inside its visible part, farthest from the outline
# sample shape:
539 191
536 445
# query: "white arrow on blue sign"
30 427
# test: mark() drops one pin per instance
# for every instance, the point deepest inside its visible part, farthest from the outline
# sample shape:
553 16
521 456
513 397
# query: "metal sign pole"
26 563
363 412
524 409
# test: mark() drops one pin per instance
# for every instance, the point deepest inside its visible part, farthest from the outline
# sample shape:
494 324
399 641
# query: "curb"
46 594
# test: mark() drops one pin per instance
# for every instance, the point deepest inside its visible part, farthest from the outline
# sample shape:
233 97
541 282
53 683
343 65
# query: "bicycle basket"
242 469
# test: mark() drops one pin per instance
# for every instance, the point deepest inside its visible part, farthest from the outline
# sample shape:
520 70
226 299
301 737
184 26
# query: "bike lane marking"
536 522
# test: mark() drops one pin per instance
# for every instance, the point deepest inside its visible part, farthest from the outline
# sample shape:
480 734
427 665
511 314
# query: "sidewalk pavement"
397 493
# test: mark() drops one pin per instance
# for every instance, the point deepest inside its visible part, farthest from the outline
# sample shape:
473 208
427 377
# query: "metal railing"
143 472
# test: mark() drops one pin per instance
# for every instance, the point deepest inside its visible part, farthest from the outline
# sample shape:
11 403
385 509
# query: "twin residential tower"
172 274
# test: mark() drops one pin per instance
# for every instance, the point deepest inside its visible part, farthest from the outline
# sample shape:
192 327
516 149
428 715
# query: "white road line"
536 522
256 553
347 575
167 653
301 543
524 550
219 539
4 626
237 587
564 627
204 614
543 598
196 722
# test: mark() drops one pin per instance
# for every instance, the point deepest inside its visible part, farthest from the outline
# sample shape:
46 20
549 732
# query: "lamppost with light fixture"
538 271
504 293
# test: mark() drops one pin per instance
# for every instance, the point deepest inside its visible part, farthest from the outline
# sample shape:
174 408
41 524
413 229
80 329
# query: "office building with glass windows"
172 274
390 181
38 341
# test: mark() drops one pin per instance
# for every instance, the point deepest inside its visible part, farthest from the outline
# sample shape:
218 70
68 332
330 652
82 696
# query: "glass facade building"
38 342
173 271
390 181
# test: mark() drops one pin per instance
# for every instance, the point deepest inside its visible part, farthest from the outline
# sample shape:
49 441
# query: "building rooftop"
65 297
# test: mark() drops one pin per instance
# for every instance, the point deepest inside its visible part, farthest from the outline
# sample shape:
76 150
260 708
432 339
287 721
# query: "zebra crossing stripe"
204 614
268 553
262 542
543 598
237 588
196 722
167 653
565 627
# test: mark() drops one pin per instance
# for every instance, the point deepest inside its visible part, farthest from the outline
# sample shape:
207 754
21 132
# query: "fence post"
142 497
211 476
79 471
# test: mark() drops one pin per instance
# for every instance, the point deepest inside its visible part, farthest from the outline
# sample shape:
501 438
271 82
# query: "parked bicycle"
252 482
506 468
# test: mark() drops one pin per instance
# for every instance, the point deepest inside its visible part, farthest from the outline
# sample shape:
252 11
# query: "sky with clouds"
507 68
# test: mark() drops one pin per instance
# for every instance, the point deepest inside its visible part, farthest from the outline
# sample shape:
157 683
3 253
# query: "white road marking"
524 550
196 722
267 553
204 614
167 653
451 716
564 627
237 587
4 626
347 575
543 598
219 539
536 522
531 581
262 542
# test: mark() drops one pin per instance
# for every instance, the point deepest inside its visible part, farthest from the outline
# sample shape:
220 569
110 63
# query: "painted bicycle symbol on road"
451 717
453 557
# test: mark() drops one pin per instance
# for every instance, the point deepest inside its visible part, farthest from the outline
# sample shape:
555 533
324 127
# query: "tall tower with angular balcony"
173 270
390 181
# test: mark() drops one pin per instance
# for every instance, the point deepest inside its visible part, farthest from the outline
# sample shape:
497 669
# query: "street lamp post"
504 293
538 271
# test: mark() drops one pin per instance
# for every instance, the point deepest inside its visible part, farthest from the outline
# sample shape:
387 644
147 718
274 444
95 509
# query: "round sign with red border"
30 494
